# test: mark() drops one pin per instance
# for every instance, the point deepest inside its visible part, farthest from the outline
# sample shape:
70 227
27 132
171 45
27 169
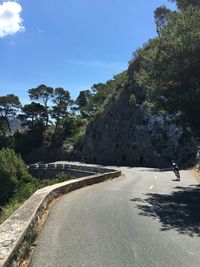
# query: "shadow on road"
179 210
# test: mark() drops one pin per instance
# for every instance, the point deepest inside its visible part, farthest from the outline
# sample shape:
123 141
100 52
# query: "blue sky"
71 43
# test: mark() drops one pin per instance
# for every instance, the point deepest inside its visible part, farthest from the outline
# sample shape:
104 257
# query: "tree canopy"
42 94
169 65
32 114
61 102
182 4
9 105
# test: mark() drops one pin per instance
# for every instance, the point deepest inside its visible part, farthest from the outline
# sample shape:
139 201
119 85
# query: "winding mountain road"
142 219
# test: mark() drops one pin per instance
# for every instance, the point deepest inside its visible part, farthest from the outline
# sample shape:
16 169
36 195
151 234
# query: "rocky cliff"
126 133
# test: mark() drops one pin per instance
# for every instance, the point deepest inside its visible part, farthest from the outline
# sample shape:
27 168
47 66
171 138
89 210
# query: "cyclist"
175 169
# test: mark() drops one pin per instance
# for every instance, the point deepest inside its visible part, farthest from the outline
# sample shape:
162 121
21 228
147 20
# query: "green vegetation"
91 102
17 184
13 174
53 120
133 101
61 177
43 95
169 65
9 105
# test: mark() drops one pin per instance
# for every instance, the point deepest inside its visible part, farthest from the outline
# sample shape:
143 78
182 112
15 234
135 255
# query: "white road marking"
156 177
151 187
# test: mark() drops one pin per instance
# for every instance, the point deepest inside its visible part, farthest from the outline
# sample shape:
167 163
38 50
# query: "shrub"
98 113
76 139
13 173
16 184
62 176
133 101
153 107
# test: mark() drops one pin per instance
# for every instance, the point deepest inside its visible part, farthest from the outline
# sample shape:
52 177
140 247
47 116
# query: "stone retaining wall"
49 171
19 231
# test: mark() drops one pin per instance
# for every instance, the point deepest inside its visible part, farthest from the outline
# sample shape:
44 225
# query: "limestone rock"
128 135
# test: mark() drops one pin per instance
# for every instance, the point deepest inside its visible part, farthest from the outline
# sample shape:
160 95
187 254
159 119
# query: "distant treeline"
51 118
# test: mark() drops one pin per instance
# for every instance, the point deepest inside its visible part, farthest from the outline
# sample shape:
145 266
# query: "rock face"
126 134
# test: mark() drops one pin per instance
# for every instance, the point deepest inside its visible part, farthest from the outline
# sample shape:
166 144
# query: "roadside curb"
19 231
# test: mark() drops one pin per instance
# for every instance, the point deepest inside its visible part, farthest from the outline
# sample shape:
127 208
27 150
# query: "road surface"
142 219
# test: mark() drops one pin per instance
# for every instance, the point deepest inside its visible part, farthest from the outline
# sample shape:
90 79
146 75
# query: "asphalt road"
142 219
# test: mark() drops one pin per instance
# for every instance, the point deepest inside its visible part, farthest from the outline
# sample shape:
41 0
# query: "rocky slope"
127 134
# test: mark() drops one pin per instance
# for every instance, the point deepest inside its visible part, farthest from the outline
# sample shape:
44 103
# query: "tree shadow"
179 210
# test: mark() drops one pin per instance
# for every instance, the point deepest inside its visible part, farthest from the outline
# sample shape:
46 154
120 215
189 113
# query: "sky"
70 43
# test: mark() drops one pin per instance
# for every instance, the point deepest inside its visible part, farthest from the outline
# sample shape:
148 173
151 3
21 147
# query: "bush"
61 177
16 184
153 107
98 113
24 191
13 173
6 141
76 139
133 101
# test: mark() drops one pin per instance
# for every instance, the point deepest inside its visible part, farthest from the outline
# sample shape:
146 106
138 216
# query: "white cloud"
10 19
